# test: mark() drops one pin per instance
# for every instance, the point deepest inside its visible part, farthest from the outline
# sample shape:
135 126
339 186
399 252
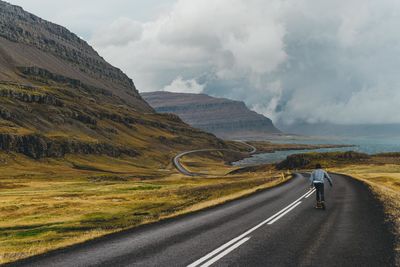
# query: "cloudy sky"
292 60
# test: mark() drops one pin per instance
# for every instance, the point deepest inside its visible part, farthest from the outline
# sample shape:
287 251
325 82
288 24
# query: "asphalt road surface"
275 227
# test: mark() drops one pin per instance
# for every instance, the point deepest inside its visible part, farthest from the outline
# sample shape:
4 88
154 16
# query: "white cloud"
119 33
179 85
270 104
342 63
226 38
293 60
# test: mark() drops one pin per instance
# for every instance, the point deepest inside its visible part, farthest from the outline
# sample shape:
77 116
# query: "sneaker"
322 204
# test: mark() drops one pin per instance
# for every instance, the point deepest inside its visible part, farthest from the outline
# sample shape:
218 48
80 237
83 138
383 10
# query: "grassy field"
209 163
51 203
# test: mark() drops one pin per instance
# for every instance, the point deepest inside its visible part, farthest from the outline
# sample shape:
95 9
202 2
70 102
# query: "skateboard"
320 206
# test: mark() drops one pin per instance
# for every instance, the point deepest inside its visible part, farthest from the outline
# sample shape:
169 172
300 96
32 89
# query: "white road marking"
236 239
309 194
283 214
225 252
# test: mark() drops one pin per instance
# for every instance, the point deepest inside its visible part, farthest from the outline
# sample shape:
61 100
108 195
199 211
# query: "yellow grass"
49 204
199 163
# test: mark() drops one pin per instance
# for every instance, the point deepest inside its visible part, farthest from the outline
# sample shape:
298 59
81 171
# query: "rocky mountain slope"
32 48
58 96
223 117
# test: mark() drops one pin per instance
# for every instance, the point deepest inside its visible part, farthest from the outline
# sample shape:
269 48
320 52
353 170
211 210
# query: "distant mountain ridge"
223 117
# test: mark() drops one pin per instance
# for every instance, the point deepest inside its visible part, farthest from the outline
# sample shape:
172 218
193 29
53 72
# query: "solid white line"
309 194
283 214
226 252
216 251
234 240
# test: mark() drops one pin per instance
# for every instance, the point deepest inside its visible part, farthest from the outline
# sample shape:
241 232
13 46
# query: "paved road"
183 170
253 231
253 148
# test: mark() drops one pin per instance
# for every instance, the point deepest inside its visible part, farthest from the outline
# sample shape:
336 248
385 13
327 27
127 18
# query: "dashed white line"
225 252
227 245
309 194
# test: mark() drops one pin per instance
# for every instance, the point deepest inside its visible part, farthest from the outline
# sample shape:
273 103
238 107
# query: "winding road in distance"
183 170
274 227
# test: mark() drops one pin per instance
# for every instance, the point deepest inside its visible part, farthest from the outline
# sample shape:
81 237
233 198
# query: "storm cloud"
292 60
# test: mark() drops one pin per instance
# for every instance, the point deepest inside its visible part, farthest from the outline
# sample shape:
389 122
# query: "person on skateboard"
317 180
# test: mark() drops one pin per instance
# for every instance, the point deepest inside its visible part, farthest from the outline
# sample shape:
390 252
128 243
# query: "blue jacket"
318 175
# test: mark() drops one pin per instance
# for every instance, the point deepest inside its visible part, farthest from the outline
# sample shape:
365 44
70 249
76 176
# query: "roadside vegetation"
50 203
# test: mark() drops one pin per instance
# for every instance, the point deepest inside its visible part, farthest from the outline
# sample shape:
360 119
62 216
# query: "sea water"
369 145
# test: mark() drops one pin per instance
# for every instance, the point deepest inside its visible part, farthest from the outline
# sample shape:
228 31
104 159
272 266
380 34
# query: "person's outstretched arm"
328 178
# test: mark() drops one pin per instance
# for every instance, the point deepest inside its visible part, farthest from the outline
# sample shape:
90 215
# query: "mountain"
59 97
33 48
224 117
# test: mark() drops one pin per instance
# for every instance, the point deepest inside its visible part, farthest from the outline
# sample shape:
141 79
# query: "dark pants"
319 191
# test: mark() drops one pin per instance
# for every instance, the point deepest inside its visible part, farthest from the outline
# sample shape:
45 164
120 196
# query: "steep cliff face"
223 117
29 44
58 97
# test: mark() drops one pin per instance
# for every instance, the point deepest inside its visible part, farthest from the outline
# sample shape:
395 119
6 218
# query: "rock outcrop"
37 146
223 117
